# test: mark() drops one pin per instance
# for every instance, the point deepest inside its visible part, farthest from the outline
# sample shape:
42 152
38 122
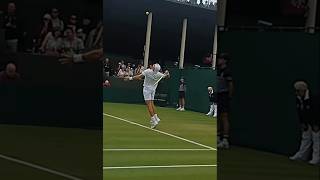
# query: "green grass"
189 125
71 151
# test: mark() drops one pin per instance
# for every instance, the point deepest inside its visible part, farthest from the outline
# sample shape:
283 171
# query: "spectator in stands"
71 43
307 108
86 25
182 95
9 75
52 44
11 28
44 29
95 37
129 71
208 60
72 23
81 35
139 69
57 23
107 67
122 72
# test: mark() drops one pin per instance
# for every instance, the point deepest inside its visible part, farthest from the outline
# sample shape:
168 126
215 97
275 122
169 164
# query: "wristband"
77 58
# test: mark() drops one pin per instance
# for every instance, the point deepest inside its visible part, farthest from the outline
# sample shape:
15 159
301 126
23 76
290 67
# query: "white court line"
158 150
39 167
161 132
148 167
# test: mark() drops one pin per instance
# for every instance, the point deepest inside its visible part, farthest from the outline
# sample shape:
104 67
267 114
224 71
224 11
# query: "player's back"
151 78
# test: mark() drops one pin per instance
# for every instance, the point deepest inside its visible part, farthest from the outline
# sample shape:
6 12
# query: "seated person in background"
139 69
129 71
9 75
52 45
182 95
213 102
72 23
81 35
57 23
307 110
71 43
122 72
95 36
44 28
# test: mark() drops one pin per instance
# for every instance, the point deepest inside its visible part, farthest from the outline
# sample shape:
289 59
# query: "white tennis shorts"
148 94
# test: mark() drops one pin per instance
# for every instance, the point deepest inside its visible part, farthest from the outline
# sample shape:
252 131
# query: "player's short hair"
157 67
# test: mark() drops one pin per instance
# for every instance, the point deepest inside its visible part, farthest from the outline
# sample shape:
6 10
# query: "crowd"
202 3
122 69
55 34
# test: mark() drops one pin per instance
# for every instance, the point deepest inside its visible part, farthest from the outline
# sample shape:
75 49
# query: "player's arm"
137 77
91 56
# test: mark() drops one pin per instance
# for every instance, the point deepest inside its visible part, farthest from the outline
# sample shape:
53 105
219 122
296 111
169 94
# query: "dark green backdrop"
265 65
196 96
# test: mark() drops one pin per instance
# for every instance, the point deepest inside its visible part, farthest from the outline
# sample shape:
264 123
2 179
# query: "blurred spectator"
72 23
107 67
129 71
11 29
9 75
81 35
95 37
86 26
44 29
122 71
207 60
57 23
72 44
52 44
139 69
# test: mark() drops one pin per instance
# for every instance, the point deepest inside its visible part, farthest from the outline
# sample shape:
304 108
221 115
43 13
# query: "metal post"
148 37
183 43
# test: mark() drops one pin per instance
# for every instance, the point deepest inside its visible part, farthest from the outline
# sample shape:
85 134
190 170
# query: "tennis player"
152 77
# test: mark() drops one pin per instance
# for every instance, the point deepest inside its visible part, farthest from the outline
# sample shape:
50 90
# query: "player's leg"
154 109
180 103
315 145
183 103
305 143
150 108
147 93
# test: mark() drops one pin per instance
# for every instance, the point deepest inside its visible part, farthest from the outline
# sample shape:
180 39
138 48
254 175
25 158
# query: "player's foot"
153 123
157 118
178 109
209 114
182 109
